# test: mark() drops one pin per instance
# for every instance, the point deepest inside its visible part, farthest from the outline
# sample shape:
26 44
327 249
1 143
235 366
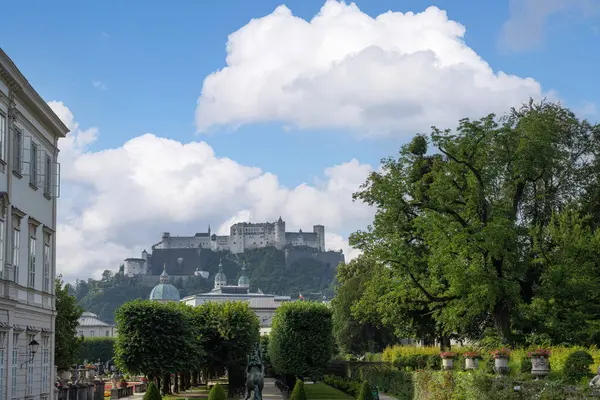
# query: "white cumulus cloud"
396 73
118 201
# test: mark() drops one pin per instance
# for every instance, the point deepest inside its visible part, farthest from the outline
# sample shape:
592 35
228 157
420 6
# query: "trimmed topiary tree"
577 366
152 392
217 393
298 393
365 392
301 340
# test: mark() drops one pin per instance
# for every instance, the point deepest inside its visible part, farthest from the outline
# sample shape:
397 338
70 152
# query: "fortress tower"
280 240
320 231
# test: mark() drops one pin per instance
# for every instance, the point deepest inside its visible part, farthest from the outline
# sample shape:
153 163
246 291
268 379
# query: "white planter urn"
447 363
540 366
471 363
501 365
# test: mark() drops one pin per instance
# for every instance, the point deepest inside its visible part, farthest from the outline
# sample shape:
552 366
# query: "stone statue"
255 378
595 382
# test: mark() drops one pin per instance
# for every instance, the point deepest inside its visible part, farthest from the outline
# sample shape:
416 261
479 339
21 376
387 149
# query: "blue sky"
127 68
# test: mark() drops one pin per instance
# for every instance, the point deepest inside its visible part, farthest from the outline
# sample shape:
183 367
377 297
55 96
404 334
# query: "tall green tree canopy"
353 334
67 314
301 341
462 228
154 338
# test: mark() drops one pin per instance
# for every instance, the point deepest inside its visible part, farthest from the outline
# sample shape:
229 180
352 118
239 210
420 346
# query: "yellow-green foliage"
558 355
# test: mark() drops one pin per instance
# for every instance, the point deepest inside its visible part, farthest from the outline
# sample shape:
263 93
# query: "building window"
18 152
48 176
33 165
31 258
45 363
2 373
3 128
1 248
46 272
107 333
92 333
30 365
15 364
16 248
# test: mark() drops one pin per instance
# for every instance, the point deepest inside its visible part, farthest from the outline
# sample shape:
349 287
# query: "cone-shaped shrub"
217 393
298 393
152 392
365 392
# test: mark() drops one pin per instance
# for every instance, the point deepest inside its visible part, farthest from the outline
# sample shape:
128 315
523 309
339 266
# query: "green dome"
164 292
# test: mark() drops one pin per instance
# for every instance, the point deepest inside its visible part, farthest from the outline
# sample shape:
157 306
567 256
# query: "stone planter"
540 367
501 365
471 363
447 363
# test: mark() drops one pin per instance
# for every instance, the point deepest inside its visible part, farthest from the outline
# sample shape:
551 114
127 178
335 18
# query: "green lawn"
320 391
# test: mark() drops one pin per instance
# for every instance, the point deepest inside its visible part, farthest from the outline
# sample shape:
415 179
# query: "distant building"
243 236
88 325
164 292
29 188
264 305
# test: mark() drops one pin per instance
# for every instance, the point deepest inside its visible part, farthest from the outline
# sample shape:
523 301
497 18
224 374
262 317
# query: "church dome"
164 291
220 278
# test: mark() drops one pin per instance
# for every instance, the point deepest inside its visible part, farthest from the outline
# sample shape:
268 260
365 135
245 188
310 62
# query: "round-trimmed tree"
301 341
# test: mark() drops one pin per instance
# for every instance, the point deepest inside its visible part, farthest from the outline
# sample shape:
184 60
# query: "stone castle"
176 251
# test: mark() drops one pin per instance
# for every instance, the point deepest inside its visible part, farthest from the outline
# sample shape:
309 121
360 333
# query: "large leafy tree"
353 334
301 341
458 227
154 338
67 314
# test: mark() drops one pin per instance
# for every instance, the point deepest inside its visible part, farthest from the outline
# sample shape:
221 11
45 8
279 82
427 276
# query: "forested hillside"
266 269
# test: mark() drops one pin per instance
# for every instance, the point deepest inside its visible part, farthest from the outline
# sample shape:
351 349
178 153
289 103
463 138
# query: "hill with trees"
267 269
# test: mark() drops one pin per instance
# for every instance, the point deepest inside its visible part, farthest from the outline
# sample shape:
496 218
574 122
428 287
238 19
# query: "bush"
152 392
346 385
298 393
217 393
301 339
365 392
577 366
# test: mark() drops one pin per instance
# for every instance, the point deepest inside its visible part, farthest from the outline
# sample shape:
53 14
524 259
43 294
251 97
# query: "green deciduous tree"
301 341
67 314
97 348
457 228
353 334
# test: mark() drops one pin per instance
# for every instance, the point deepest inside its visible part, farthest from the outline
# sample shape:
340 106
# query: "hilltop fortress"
183 254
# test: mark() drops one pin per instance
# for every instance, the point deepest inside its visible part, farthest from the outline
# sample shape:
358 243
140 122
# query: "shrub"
301 339
577 366
365 392
346 385
298 393
525 365
152 392
217 393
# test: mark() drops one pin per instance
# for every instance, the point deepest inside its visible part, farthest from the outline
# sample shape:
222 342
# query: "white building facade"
29 133
88 325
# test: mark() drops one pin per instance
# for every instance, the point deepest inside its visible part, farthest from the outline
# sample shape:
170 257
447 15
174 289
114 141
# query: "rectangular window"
92 333
16 249
45 364
2 372
31 258
18 152
33 165
15 364
47 260
107 333
30 366
48 176
3 127
1 249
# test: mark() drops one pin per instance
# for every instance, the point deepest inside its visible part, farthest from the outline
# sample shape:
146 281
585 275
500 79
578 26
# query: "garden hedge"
93 349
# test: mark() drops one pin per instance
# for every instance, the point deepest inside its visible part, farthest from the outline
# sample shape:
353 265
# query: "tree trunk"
176 383
166 384
502 322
